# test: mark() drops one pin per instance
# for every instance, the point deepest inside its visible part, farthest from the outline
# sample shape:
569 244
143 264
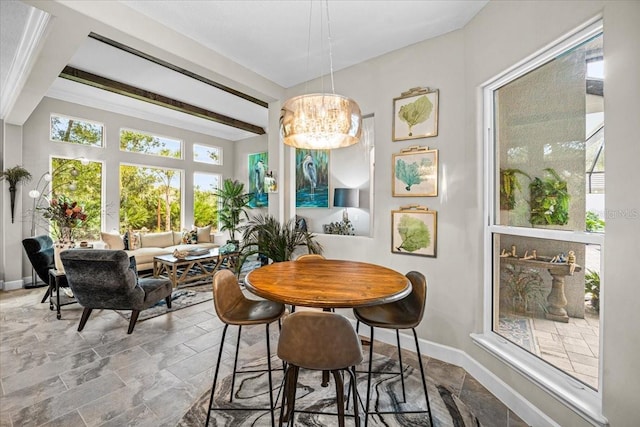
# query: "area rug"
518 330
251 391
180 298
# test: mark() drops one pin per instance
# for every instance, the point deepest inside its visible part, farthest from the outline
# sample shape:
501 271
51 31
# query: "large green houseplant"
549 200
234 203
509 183
266 236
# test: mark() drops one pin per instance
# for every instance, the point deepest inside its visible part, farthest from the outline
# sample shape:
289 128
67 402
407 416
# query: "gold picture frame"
415 114
415 172
414 231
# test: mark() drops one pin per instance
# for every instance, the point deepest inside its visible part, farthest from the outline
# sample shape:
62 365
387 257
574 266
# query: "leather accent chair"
39 249
104 279
406 313
233 308
323 341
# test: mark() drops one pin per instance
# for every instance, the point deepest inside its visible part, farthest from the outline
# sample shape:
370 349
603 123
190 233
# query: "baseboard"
506 394
13 285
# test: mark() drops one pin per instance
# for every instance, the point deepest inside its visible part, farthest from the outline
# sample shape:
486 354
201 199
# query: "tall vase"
65 242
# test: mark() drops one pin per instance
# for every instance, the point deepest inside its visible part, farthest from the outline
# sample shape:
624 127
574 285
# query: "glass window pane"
547 302
205 203
76 131
150 198
207 154
541 121
82 183
145 143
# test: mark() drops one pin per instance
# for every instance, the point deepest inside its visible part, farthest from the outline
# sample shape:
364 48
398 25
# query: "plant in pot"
266 236
15 176
234 203
509 183
592 287
523 288
549 200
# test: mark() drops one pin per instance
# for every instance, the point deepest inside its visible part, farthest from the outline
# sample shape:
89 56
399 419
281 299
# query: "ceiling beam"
124 89
177 69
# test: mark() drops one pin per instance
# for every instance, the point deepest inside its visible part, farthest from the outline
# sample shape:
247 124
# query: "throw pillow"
203 234
133 266
113 241
189 237
134 240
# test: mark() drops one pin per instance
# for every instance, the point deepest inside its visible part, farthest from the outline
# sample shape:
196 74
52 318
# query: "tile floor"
52 375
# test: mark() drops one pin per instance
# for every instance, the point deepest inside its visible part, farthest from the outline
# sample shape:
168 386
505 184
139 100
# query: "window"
544 257
150 198
76 131
207 154
140 142
205 203
81 182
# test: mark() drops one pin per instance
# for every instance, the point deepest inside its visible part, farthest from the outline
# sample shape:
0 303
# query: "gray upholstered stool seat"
319 341
105 279
233 308
406 313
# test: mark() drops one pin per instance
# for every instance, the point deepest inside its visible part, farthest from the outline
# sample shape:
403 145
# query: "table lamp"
346 198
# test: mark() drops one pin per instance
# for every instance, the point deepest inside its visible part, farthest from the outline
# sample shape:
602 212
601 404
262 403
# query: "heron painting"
312 178
258 164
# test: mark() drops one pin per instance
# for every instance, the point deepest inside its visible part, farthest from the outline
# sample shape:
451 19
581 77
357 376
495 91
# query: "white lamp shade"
320 121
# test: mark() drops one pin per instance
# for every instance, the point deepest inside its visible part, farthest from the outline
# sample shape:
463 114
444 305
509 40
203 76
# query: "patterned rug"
518 330
180 298
251 390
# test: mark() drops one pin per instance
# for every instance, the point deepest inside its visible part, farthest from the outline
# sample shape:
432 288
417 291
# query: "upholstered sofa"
149 245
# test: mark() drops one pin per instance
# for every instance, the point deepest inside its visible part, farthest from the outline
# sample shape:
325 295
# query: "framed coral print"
258 164
312 178
413 231
415 172
415 114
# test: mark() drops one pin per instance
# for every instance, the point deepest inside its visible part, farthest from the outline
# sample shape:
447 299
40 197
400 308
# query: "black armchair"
39 249
104 279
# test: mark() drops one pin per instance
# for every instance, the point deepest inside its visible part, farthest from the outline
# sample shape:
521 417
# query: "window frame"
220 180
572 393
154 135
103 141
200 144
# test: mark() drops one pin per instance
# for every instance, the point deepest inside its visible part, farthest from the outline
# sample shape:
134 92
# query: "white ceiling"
277 39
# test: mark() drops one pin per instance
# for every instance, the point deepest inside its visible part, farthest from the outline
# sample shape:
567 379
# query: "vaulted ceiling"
255 47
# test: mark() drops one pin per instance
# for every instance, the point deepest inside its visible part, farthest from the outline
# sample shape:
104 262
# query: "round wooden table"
328 283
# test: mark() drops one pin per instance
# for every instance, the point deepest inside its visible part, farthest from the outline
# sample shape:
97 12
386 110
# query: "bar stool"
320 341
403 314
233 308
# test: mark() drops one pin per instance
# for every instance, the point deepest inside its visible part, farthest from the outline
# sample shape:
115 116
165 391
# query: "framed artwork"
413 231
415 114
312 178
258 164
415 172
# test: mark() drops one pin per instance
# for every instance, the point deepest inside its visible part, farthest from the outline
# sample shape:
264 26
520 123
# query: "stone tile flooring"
52 375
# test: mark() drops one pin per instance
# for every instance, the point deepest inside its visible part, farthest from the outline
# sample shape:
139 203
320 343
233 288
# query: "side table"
54 286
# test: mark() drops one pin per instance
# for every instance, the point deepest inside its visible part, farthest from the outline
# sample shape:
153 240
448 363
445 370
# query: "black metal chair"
39 249
106 279
233 308
320 341
406 313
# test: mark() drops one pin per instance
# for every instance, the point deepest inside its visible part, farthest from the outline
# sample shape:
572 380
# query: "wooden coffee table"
192 268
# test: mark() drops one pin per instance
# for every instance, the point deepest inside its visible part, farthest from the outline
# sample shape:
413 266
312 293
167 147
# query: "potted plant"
266 236
509 183
15 176
549 200
523 288
234 203
592 286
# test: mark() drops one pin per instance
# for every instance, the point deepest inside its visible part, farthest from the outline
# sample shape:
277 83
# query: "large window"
546 207
80 181
150 198
205 203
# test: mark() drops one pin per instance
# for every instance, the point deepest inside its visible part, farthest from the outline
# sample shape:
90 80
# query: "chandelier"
321 120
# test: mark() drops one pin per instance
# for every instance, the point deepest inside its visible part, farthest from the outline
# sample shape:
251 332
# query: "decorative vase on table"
66 242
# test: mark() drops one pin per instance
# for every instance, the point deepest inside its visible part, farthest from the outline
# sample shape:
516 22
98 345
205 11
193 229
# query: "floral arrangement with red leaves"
64 214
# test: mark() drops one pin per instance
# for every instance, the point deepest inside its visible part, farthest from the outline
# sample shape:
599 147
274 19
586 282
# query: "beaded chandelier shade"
321 120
